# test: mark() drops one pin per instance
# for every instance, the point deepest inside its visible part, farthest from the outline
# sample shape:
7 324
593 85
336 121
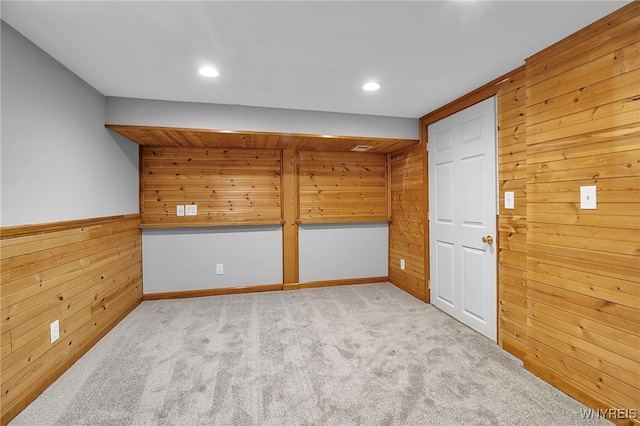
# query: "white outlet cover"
55 330
509 200
191 210
219 269
588 198
180 210
402 264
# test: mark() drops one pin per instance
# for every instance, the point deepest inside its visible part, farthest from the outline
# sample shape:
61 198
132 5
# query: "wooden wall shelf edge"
338 221
173 225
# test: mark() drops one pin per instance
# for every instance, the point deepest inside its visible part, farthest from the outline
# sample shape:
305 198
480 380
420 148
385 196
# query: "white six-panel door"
462 206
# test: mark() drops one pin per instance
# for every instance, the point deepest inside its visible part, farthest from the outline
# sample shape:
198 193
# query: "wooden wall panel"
342 186
512 223
229 186
407 227
211 138
583 266
86 275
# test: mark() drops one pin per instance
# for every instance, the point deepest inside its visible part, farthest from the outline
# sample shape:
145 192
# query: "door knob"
488 239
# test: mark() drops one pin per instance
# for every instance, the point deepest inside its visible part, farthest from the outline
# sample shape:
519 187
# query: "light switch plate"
180 210
55 330
191 210
219 269
509 200
588 198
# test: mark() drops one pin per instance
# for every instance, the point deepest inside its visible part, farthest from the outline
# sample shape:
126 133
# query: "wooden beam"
289 197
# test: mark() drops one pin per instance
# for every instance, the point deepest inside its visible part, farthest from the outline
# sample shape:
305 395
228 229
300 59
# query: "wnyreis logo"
609 413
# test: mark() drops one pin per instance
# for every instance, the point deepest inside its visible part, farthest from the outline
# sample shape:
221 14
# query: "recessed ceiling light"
371 86
209 72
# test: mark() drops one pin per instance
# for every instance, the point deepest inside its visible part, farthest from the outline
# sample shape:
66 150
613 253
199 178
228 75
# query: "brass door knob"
488 239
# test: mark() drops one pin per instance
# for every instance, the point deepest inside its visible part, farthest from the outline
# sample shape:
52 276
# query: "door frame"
480 94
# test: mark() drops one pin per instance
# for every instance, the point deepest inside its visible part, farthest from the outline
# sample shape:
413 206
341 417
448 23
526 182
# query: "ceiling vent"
361 148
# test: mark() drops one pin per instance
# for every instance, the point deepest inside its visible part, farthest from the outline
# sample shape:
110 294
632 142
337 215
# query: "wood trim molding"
141 180
290 212
513 349
212 292
585 396
484 92
480 94
412 292
173 225
332 283
43 228
339 221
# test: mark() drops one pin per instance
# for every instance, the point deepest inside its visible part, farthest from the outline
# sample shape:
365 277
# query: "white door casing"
462 205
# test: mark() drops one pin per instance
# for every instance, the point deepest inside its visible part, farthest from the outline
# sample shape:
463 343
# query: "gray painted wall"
58 161
144 112
185 259
340 251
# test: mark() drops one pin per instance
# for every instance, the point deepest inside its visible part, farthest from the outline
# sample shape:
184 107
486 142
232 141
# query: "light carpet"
352 355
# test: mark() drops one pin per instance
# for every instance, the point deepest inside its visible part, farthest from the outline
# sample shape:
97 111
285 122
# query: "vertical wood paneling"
342 186
407 227
512 224
229 186
290 229
583 266
87 276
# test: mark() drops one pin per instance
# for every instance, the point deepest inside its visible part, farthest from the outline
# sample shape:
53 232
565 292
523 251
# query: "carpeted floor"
353 355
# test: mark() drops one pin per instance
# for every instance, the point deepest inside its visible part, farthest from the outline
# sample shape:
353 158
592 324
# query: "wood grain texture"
86 274
212 292
229 186
583 266
337 186
512 240
333 283
290 228
212 138
407 228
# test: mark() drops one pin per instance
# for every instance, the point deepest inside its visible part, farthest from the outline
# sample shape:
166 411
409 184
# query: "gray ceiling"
299 54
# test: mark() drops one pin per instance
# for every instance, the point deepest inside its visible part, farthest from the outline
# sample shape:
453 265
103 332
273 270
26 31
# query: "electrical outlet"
180 210
191 210
219 269
55 330
402 264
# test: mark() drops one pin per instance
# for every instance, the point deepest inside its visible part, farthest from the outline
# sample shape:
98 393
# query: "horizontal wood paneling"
407 228
337 186
212 138
229 186
512 223
583 266
86 274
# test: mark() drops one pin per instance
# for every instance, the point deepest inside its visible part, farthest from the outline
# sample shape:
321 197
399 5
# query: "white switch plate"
588 198
180 210
509 200
219 269
402 264
55 330
191 210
